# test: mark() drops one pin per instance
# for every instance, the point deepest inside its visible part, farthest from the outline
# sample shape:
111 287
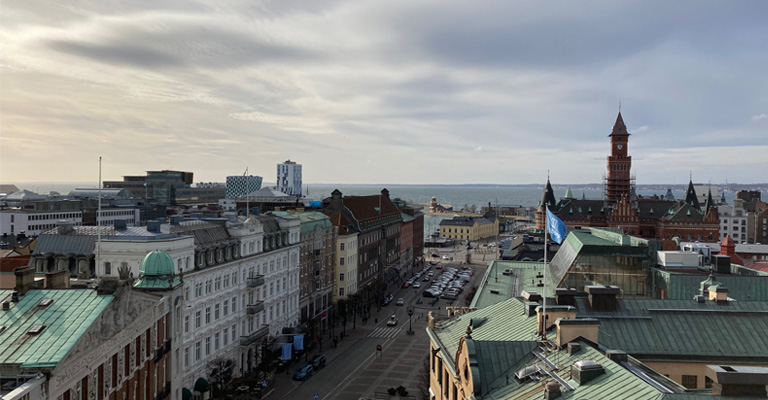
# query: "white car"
392 321
416 285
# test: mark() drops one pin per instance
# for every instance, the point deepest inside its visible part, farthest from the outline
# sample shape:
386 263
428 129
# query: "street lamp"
410 313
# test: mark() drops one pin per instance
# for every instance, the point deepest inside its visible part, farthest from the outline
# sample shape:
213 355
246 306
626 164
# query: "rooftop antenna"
98 223
619 105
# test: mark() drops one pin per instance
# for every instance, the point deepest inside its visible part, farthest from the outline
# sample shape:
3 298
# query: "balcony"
253 337
255 281
254 308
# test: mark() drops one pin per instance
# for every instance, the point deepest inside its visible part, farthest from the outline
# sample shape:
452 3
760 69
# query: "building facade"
240 186
289 178
469 228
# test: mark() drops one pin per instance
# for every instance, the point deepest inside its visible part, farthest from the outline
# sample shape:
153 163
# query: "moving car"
304 372
387 300
416 285
400 301
406 284
392 321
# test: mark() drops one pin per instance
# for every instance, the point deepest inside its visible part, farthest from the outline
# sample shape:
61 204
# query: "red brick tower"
618 181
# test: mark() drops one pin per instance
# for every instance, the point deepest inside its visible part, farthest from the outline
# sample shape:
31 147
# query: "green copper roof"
156 272
520 275
65 320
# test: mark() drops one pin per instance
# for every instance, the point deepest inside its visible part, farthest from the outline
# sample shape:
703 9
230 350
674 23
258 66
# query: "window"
708 382
197 319
186 324
341 292
207 315
186 357
234 304
689 381
226 307
233 330
216 312
216 341
341 246
341 260
107 268
208 346
197 351
341 277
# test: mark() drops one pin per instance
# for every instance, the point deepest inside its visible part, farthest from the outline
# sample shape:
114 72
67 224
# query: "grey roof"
93 193
268 192
206 234
465 221
24 195
82 239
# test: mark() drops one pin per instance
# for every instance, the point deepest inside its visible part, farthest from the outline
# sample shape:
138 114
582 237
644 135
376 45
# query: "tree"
423 377
220 373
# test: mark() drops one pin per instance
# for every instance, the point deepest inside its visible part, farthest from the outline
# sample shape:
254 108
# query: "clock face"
619 147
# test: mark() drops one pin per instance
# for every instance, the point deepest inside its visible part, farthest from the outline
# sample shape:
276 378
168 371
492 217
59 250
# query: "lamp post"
410 314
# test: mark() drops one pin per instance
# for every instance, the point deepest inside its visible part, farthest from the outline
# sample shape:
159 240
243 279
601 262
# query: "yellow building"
472 228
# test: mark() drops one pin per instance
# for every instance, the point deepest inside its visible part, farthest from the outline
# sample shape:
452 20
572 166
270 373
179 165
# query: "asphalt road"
357 370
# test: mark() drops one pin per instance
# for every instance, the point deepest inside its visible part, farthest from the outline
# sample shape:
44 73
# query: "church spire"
548 199
710 203
690 196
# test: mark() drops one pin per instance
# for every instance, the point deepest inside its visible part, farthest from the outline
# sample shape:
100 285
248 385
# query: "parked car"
439 266
416 285
304 372
406 284
392 321
446 258
387 300
318 362
400 301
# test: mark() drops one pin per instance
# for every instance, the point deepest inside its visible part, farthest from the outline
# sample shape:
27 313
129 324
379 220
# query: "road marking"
345 380
385 332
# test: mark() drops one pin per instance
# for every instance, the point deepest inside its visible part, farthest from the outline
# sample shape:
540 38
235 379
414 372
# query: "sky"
411 92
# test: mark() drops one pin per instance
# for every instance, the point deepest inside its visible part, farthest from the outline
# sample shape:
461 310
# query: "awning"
186 394
202 385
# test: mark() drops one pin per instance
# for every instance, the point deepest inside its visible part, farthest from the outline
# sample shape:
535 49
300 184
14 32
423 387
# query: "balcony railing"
255 281
255 308
253 337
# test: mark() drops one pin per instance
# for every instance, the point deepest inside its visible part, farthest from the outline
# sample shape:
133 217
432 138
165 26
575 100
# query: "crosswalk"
385 332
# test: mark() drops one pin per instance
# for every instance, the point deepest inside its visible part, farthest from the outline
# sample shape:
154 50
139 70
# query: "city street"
355 369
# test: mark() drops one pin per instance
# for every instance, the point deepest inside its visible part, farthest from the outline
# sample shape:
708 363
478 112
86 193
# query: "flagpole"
98 224
544 295
247 193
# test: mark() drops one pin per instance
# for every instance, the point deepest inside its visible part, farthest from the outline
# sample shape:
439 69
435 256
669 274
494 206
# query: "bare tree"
220 373
423 377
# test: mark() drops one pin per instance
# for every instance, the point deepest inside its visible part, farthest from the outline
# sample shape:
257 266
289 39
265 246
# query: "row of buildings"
234 289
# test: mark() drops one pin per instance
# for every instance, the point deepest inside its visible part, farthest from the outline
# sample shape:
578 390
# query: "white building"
33 223
733 222
289 178
240 280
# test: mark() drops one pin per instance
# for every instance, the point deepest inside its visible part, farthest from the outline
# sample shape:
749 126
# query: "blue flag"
556 227
287 353
298 342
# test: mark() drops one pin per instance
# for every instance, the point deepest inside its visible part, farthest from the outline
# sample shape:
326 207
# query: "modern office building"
289 178
240 186
159 186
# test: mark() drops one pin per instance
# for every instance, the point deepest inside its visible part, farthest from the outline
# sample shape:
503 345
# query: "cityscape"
585 217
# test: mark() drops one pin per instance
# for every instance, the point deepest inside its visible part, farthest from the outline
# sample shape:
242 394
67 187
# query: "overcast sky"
383 91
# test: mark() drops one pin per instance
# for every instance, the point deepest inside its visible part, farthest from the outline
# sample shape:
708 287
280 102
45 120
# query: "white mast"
247 193
98 225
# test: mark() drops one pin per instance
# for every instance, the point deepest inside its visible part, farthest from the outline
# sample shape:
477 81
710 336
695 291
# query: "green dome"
156 272
156 263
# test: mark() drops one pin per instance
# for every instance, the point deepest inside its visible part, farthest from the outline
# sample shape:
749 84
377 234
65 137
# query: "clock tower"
618 181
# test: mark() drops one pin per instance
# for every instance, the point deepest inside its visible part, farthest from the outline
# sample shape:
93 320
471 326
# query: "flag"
556 227
246 171
287 353
298 342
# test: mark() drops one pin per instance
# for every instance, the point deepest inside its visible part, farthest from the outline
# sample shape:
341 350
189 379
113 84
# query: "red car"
405 284
439 267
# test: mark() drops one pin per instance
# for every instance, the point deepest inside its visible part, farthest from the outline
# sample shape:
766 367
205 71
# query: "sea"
458 196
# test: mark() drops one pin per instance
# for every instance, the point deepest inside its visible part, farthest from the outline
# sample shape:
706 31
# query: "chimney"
385 192
554 312
120 224
585 370
25 279
603 298
565 296
721 264
551 390
531 296
617 355
737 380
570 329
718 293
57 279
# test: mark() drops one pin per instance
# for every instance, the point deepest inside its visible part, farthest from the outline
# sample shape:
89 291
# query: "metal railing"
253 337
255 308
255 281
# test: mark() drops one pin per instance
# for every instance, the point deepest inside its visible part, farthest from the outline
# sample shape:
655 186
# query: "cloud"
214 87
759 117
